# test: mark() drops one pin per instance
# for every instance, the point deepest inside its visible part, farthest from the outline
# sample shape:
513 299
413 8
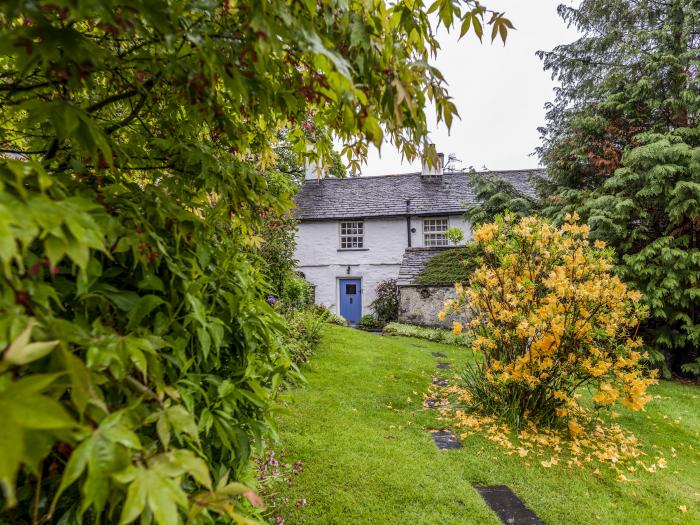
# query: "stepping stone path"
509 508
434 402
445 440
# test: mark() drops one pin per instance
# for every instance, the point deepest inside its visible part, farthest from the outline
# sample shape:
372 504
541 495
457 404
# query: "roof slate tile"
359 197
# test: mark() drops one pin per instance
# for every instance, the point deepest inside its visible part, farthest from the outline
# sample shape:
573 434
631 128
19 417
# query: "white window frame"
435 231
352 235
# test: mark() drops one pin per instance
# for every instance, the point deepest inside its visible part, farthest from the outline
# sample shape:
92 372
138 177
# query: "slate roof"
385 196
413 262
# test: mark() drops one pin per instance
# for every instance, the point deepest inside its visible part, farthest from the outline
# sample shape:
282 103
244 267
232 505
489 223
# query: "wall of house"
421 304
323 262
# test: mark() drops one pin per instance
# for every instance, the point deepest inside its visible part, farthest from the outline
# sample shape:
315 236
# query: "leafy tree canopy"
139 357
621 146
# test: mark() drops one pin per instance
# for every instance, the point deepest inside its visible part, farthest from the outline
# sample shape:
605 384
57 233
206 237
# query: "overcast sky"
500 92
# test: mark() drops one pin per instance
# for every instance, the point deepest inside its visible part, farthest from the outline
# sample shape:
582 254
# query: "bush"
386 304
454 235
693 368
369 322
327 315
140 360
438 335
450 266
304 333
296 292
549 318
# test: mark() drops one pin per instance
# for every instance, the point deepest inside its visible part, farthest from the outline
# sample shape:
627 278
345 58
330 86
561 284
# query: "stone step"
445 440
507 506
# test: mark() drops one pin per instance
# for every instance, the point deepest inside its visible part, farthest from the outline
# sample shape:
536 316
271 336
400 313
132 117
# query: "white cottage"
353 233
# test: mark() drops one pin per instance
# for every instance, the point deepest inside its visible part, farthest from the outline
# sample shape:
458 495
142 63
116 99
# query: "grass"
368 456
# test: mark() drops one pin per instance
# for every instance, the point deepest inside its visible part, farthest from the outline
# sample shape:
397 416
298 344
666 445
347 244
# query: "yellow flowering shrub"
549 319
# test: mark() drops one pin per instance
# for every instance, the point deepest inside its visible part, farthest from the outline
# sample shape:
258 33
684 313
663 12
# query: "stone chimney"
438 160
312 170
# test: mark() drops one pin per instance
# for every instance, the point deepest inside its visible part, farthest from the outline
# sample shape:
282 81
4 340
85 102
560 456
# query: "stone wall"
420 304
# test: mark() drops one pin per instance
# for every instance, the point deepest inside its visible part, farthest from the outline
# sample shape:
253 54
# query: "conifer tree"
621 147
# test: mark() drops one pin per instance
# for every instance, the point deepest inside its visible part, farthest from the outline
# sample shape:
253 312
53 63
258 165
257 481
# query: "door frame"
337 291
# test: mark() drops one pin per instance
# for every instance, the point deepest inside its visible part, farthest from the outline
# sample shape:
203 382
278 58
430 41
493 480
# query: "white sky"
500 92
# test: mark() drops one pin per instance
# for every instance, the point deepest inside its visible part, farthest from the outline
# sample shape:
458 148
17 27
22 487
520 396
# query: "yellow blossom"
607 394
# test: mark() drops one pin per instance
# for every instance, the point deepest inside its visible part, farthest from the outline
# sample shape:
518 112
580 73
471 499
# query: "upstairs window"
352 234
434 232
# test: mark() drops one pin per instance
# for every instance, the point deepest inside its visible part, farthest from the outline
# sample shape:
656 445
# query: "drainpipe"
408 221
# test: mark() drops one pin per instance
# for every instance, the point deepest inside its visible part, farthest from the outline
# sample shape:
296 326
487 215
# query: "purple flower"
271 299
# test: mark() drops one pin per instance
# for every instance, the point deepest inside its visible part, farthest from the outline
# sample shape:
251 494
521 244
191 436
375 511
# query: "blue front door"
351 299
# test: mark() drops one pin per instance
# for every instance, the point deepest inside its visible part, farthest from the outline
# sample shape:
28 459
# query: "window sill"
353 249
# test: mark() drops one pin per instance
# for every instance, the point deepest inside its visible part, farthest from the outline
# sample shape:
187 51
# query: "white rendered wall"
323 262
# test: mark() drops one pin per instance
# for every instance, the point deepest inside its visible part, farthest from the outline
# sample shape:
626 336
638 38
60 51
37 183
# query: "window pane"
352 234
350 289
434 232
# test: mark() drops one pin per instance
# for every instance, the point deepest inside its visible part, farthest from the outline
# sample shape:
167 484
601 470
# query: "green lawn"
368 456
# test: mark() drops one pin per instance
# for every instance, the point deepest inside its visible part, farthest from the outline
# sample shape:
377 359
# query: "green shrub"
454 235
304 333
296 292
692 368
140 360
386 304
450 266
369 322
438 335
327 315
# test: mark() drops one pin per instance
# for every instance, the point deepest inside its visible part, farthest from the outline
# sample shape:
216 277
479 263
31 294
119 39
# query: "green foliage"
454 235
692 368
137 201
620 147
369 322
277 231
296 292
437 335
161 346
649 209
450 266
327 315
386 303
304 332
496 196
627 74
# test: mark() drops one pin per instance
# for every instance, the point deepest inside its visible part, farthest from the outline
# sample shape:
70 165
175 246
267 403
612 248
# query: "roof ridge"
414 173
